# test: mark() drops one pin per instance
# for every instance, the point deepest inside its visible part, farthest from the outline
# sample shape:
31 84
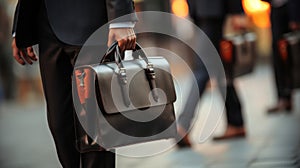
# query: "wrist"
122 25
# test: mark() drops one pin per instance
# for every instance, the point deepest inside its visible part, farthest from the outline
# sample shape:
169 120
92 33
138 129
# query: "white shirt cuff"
122 25
14 35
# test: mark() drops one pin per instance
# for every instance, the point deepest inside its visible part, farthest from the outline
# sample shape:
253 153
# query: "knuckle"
15 55
122 41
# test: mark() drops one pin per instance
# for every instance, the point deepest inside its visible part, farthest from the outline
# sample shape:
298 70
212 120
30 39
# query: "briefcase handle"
138 53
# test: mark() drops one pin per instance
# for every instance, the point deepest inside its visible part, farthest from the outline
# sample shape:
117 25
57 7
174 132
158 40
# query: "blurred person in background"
7 77
285 17
156 5
43 22
209 16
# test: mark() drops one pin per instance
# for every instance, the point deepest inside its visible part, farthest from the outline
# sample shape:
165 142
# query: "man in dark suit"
285 17
61 27
209 15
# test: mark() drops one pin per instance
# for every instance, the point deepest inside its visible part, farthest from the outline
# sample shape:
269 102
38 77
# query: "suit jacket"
156 5
72 21
292 7
214 8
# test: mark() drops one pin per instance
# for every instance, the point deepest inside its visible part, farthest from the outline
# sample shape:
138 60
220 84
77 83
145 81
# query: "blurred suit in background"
209 15
285 17
7 77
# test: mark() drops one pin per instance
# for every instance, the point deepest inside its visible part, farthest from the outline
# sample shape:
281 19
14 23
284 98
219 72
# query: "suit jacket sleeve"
25 23
14 27
118 8
15 19
234 7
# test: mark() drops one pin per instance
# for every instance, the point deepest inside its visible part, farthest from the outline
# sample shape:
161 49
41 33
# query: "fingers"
238 22
31 54
122 44
111 38
128 38
131 40
127 42
125 36
294 26
17 56
16 53
24 55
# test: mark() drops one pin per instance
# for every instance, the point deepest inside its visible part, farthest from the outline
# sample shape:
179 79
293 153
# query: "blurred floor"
272 140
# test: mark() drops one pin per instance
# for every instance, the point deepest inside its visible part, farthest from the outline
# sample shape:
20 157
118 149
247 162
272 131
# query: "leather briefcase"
289 49
238 53
133 99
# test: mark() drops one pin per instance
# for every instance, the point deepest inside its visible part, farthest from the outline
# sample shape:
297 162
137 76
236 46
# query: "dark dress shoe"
184 143
182 139
232 133
282 106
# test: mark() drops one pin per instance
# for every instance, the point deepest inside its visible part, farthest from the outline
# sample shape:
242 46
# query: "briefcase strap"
139 53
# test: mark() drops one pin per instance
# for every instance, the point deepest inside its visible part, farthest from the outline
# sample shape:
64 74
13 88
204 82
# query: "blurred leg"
235 124
56 71
281 68
56 66
233 106
102 159
197 89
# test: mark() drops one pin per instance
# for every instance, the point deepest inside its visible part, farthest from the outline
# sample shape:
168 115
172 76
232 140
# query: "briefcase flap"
137 87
